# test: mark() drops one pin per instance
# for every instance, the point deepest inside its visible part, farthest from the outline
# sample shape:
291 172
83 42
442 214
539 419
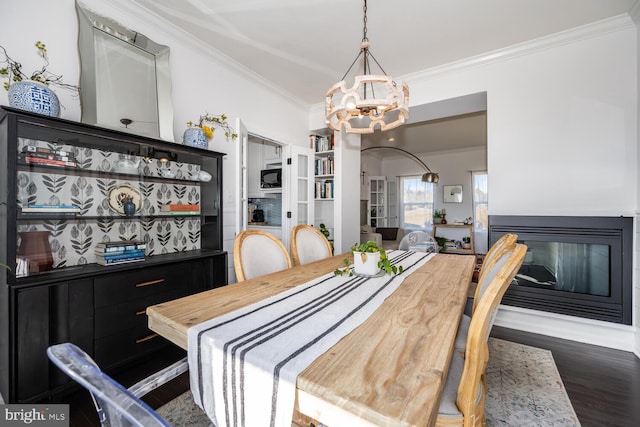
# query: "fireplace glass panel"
572 267
575 265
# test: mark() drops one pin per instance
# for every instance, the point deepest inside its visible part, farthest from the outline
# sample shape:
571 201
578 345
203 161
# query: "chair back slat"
504 244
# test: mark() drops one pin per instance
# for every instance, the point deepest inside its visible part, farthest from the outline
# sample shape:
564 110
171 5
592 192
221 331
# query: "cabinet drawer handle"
147 338
150 282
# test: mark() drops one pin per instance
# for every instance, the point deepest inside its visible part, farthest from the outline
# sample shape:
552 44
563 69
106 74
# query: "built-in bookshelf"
324 169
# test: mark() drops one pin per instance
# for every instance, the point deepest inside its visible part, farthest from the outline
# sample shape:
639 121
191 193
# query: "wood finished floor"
603 384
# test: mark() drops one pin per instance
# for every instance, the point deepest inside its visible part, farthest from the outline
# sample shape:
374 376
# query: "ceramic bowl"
204 176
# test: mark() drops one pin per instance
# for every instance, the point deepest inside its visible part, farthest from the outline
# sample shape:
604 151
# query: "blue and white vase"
195 137
34 97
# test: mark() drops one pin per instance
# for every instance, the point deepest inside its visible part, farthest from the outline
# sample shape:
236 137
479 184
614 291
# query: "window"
416 204
480 201
480 217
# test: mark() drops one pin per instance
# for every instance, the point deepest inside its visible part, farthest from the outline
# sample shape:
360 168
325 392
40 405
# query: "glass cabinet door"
377 201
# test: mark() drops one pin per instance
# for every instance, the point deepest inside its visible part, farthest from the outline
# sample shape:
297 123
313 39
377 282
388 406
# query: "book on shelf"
119 255
49 162
114 262
324 166
321 143
180 208
51 209
121 245
324 190
181 213
44 151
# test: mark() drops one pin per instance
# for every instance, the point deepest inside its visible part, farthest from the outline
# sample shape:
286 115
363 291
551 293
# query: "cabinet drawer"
122 347
126 286
118 317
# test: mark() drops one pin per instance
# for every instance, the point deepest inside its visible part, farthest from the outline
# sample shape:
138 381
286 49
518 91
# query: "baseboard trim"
606 334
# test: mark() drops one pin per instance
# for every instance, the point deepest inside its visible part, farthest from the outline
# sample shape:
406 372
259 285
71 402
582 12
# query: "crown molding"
605 26
173 32
616 23
635 12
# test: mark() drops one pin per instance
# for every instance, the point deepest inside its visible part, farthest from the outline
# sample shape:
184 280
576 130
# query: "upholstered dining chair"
463 397
495 259
118 406
256 253
308 244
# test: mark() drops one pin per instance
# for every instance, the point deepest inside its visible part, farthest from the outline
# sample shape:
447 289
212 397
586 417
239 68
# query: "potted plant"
441 242
32 92
324 231
198 134
438 216
368 260
466 242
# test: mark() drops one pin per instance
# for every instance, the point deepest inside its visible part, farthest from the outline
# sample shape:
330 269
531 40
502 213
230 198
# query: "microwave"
271 178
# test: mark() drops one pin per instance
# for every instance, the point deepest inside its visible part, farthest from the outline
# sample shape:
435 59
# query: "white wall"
562 119
558 118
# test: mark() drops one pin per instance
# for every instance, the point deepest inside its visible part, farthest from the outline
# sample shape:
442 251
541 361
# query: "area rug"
525 388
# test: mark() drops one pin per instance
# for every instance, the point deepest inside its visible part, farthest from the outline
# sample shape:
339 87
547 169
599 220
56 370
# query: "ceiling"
305 46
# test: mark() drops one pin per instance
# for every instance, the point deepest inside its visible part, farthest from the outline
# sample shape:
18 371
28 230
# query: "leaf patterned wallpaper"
73 239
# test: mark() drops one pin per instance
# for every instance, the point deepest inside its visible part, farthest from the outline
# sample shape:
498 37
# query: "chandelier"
373 100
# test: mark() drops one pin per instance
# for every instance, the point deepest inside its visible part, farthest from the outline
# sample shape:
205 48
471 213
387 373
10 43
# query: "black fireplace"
579 266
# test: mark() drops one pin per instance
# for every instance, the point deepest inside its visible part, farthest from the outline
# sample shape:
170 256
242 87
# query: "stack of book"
324 166
324 189
51 209
47 156
175 209
320 143
111 253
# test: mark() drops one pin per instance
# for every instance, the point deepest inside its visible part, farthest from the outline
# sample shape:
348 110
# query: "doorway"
450 137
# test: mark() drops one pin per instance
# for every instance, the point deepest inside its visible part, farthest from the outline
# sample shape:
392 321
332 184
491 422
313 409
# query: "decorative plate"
118 196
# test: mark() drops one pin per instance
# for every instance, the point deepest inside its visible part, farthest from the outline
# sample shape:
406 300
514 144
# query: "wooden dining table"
389 371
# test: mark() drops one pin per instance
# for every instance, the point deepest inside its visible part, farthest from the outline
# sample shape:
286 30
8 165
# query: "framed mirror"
124 78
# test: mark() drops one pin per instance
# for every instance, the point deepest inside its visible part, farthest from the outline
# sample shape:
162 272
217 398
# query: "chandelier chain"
364 21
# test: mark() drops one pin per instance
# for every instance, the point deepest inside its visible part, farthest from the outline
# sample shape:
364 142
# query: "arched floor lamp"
427 177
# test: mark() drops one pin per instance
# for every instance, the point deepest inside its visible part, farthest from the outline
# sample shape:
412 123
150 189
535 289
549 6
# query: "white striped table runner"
244 365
